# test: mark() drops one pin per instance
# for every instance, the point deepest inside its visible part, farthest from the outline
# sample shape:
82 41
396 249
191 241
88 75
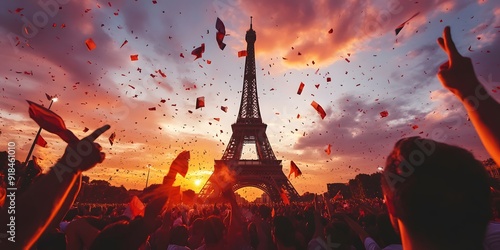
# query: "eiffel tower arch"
265 172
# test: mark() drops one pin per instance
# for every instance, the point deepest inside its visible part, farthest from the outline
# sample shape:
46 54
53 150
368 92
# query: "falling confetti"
112 138
134 57
301 87
90 44
200 102
319 109
384 114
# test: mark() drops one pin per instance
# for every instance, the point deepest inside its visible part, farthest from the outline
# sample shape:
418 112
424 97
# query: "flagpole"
147 178
54 99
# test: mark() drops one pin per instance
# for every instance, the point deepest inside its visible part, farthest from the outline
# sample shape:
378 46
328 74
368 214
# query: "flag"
301 87
134 57
49 97
294 170
50 121
136 207
112 138
198 51
328 150
319 109
200 102
221 32
41 142
181 163
242 53
284 197
90 44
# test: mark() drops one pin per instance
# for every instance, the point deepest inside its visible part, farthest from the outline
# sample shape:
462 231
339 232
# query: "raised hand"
81 155
456 74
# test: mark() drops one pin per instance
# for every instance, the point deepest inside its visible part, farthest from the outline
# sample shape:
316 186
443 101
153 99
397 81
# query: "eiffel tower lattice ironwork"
264 173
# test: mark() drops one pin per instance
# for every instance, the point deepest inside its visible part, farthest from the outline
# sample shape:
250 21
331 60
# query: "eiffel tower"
264 173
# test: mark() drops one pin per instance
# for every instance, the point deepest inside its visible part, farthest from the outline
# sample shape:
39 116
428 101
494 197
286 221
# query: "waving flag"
41 142
294 170
181 163
284 197
50 121
221 32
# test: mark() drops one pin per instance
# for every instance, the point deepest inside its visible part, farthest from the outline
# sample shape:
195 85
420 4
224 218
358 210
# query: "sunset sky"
43 50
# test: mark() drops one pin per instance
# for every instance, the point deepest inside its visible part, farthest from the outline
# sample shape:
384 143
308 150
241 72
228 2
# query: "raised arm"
457 75
41 202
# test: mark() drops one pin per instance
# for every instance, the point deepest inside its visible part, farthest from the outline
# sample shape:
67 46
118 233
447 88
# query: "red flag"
301 87
221 32
284 197
198 51
41 142
328 150
134 57
112 138
181 163
50 121
136 207
320 109
90 44
242 53
200 102
294 169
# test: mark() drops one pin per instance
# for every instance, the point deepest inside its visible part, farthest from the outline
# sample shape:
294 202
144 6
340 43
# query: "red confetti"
384 114
198 51
414 127
152 109
242 53
90 44
328 149
200 102
221 32
328 79
85 130
223 108
134 57
330 31
319 109
301 87
181 55
161 73
348 60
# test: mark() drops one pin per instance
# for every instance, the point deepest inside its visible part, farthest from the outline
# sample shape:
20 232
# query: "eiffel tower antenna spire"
265 172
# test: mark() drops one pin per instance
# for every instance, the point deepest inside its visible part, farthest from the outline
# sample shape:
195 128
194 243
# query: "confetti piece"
330 31
152 109
162 74
328 79
134 57
221 32
123 44
328 149
401 26
319 109
181 55
90 44
198 51
200 102
301 87
414 127
347 60
112 138
85 130
217 119
242 53
223 108
384 114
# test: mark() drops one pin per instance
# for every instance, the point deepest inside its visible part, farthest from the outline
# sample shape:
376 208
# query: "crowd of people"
436 196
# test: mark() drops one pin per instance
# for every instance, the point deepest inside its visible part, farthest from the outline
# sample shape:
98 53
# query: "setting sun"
197 182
